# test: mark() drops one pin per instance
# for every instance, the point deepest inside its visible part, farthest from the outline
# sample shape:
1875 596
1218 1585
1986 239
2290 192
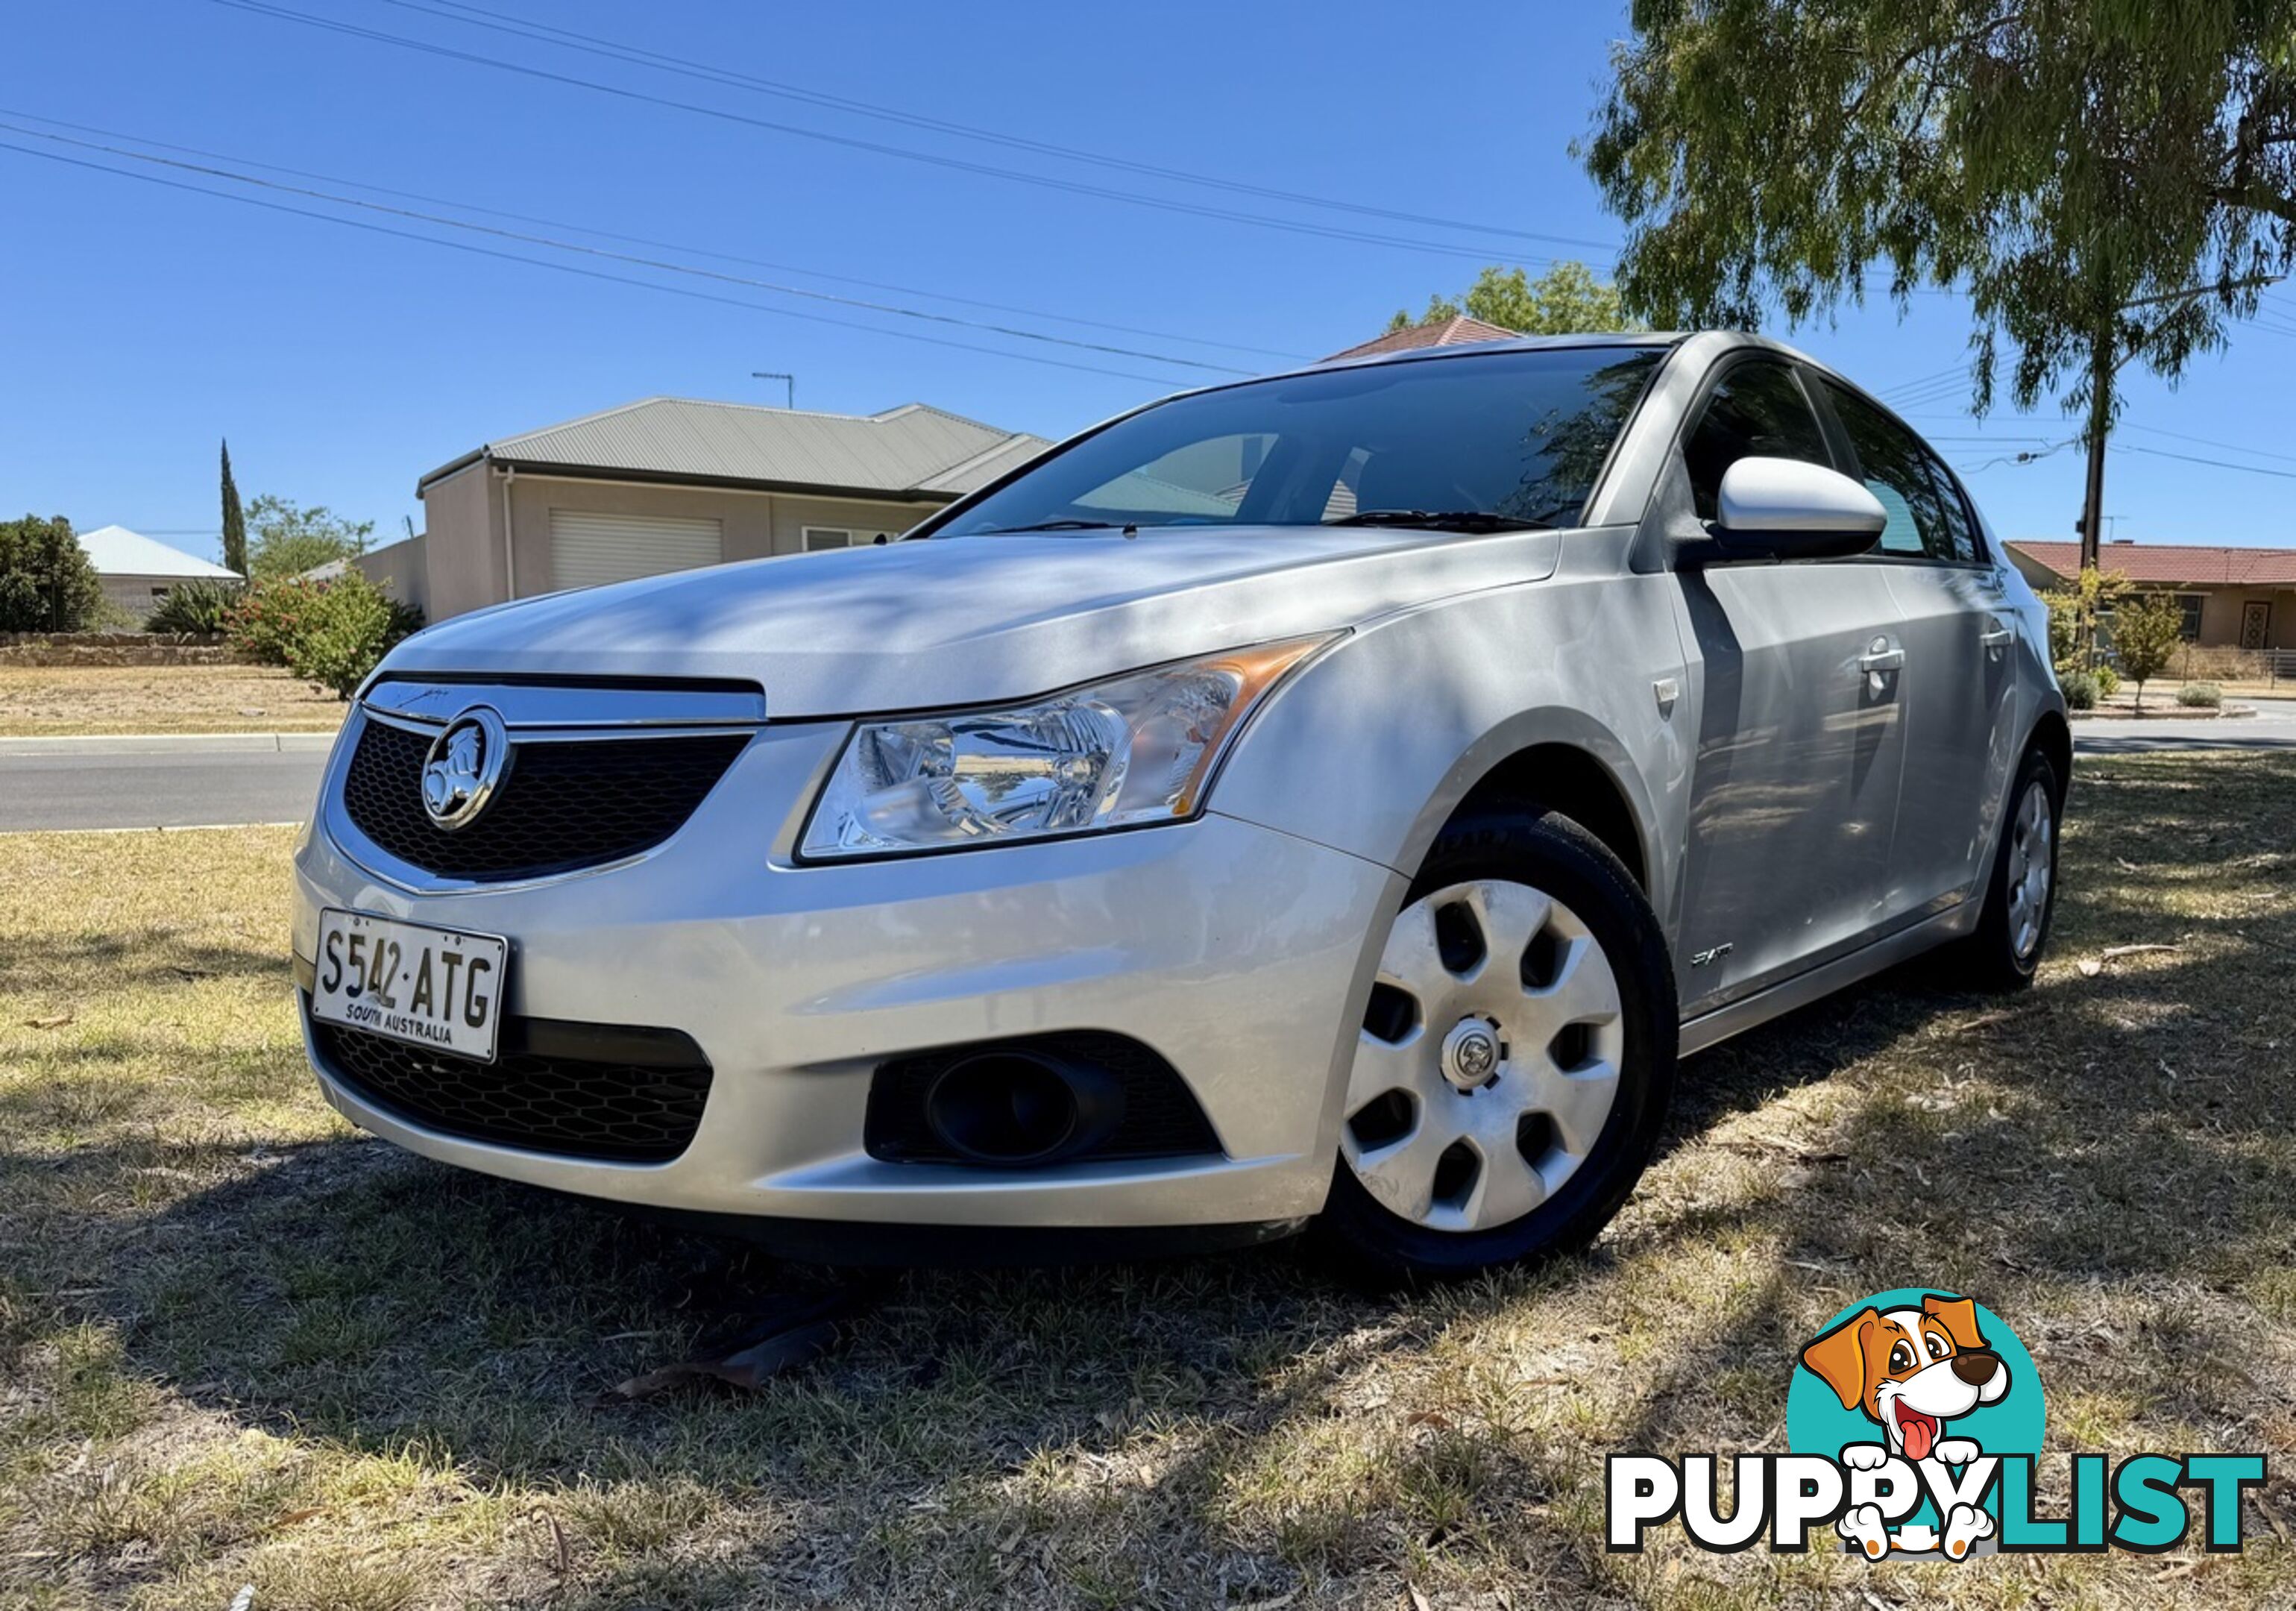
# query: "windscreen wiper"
1442 520
1062 525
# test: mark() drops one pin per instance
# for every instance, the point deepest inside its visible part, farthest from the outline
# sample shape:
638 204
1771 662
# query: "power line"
1887 392
574 268
662 265
608 234
476 16
263 8
2207 442
2286 475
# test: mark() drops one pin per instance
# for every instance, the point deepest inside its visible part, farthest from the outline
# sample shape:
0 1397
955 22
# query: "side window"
1927 518
1960 526
1758 410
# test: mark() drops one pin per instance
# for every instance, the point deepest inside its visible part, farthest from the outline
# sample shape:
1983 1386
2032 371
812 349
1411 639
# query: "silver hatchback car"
1329 800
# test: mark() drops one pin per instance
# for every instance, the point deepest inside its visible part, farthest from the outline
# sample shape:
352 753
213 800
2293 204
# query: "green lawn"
240 1344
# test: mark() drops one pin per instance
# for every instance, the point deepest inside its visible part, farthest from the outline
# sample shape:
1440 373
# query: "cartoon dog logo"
1911 1370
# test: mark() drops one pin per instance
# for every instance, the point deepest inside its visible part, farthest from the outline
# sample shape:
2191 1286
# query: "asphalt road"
131 783
216 780
2272 728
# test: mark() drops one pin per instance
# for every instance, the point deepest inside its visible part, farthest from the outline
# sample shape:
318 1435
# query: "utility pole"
2104 364
775 374
2101 368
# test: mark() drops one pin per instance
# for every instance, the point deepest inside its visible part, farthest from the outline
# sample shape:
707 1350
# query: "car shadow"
2116 1132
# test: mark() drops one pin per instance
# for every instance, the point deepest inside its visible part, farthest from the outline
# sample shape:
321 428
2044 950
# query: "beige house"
2236 598
670 483
138 573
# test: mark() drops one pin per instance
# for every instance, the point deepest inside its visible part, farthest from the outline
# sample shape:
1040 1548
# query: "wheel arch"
1563 776
1565 759
2053 736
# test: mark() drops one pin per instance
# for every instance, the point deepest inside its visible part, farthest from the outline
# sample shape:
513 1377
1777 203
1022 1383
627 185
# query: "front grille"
1162 1116
563 805
607 1092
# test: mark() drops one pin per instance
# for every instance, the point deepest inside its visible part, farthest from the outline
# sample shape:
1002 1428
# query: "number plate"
428 987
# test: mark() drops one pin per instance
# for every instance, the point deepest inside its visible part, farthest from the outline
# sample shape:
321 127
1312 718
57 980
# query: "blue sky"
140 324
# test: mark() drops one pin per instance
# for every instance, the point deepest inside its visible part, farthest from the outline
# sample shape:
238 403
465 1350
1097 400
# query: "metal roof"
912 451
116 551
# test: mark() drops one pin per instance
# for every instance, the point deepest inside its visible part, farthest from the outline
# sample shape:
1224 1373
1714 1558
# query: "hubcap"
1471 1053
1488 1062
2032 865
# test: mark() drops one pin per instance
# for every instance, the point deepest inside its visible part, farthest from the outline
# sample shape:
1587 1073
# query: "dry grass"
239 1344
54 701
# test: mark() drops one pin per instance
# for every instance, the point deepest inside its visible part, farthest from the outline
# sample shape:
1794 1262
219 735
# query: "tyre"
2021 898
1515 1059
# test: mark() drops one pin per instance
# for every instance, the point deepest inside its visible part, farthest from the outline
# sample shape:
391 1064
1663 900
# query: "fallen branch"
2091 966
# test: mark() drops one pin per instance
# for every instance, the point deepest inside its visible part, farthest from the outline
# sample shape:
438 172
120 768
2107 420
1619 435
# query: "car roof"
1520 343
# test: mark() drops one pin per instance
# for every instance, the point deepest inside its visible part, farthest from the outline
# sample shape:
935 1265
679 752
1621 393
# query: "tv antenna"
789 380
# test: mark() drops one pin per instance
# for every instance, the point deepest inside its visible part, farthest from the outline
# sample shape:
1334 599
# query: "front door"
1959 683
1799 669
2256 624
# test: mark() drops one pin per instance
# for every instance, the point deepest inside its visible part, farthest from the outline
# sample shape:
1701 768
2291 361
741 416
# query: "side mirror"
1782 508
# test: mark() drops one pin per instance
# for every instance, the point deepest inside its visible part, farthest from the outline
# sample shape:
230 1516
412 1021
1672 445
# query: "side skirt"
1711 1029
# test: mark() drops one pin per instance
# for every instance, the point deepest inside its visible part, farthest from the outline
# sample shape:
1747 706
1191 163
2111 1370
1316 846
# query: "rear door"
1801 733
1959 678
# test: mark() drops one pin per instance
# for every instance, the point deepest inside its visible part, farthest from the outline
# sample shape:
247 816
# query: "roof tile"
1455 332
2198 564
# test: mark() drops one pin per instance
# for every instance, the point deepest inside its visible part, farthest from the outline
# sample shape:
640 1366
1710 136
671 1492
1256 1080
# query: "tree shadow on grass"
2032 1152
153 954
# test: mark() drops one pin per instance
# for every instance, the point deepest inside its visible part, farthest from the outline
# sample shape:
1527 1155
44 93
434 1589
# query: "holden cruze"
1326 800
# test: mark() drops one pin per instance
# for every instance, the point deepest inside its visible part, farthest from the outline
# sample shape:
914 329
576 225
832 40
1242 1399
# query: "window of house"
2190 605
1757 411
818 537
1927 517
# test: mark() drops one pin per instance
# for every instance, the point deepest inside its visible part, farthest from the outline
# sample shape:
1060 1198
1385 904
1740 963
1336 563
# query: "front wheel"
1515 1059
2021 897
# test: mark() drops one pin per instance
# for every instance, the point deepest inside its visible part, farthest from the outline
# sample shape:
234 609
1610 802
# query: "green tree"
46 581
2075 612
2076 169
235 521
2146 633
1565 299
291 540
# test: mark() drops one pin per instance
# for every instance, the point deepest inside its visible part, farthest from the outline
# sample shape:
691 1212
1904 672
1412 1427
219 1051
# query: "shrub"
2079 690
47 583
332 633
268 617
199 605
2108 682
2200 696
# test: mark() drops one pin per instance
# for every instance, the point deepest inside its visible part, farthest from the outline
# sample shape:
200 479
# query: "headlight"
1141 748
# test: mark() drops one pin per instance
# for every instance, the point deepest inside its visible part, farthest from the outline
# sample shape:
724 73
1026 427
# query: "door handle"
1882 660
1996 637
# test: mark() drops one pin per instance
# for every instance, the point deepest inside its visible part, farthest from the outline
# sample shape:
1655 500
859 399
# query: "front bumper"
1242 953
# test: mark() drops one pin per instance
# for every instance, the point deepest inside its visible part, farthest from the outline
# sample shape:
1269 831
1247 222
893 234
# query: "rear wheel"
1515 1058
2021 898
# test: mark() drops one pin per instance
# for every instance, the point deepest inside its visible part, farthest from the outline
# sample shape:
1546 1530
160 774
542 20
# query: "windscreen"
1484 442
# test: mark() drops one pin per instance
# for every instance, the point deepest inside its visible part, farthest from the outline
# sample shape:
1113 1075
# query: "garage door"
586 549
